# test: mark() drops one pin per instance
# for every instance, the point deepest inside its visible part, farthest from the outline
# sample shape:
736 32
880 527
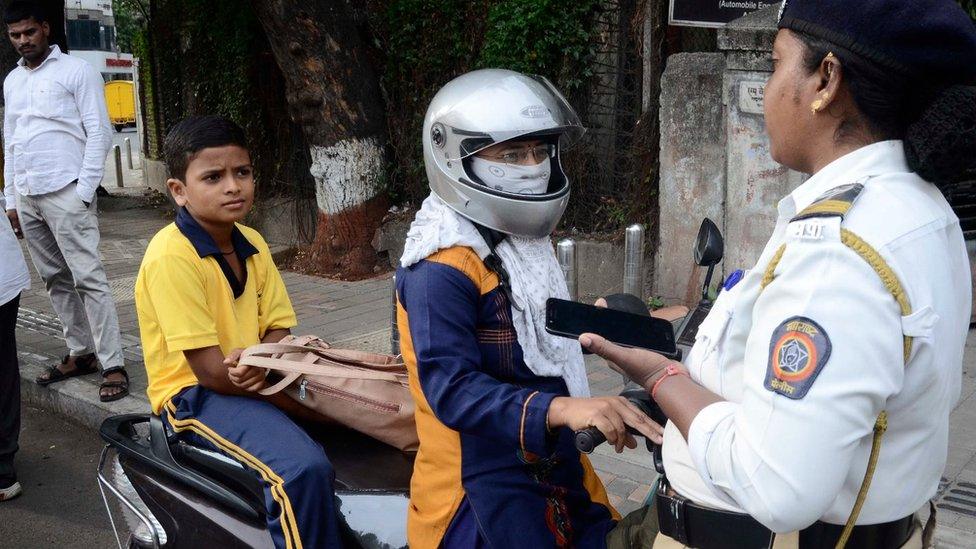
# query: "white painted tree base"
346 174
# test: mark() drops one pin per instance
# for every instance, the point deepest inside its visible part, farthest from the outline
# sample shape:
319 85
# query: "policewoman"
498 398
813 408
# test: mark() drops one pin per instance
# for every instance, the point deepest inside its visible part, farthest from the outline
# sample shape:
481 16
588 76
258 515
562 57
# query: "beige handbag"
364 391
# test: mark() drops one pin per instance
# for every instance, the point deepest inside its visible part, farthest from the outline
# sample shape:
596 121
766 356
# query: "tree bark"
333 91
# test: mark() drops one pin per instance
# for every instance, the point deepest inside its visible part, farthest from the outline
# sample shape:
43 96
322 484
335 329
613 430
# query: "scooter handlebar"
588 439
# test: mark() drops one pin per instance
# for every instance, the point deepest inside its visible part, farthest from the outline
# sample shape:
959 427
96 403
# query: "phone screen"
570 319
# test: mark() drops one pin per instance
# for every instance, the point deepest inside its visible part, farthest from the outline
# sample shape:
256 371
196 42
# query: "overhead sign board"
712 13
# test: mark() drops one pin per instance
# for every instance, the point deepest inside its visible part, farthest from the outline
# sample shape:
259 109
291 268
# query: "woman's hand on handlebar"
611 415
640 365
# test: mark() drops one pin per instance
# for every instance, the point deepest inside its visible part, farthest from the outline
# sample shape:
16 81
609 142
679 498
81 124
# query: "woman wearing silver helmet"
813 409
497 397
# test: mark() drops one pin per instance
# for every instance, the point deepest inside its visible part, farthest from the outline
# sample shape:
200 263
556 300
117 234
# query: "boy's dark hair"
18 10
195 133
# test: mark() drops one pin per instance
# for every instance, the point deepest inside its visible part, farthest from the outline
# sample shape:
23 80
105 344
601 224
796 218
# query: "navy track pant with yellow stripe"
298 478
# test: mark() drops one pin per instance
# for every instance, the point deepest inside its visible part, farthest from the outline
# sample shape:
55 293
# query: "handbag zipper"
332 391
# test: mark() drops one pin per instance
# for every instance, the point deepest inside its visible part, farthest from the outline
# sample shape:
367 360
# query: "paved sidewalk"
357 315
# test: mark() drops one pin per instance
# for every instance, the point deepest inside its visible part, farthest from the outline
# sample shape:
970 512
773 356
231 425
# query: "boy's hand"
247 378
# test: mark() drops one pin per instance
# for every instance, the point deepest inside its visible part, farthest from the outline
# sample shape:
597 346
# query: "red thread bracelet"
673 369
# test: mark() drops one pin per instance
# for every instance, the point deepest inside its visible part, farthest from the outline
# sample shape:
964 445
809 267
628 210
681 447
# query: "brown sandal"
84 365
124 385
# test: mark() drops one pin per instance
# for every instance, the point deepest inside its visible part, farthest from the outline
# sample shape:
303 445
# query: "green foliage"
547 37
126 14
655 302
426 42
969 6
220 57
429 42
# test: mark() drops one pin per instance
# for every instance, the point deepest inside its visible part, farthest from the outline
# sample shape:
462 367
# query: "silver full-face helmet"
486 107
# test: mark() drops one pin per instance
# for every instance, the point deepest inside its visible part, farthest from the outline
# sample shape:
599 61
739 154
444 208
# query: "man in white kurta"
56 135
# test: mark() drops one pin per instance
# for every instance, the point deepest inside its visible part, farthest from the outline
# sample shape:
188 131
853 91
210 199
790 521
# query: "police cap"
933 38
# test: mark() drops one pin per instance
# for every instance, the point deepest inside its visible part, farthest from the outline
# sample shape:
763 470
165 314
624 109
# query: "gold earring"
818 104
830 55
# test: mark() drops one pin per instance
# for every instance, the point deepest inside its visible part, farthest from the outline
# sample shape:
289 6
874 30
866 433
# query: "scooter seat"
221 469
361 463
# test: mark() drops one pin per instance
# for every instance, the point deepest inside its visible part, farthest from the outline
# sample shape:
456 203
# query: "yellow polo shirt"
185 301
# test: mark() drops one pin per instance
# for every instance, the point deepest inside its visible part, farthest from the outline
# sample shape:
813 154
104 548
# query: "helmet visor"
518 106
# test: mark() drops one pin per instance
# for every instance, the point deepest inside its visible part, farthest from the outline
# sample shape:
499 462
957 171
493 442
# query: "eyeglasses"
518 156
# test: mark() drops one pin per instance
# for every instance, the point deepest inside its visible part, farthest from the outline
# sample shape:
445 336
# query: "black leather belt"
705 528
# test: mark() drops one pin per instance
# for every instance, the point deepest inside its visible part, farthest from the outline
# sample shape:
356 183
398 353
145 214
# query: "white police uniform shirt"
14 277
55 127
790 461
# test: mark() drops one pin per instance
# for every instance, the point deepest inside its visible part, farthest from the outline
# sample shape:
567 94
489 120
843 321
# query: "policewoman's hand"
611 415
247 378
640 365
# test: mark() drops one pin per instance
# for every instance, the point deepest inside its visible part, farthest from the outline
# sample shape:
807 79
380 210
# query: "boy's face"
219 186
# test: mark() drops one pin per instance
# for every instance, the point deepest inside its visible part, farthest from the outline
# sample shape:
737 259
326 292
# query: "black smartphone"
571 319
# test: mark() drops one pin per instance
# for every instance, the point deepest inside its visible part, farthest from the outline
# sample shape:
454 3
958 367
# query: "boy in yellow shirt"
207 288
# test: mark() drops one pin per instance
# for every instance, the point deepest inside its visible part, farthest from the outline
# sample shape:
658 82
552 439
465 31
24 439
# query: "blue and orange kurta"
481 417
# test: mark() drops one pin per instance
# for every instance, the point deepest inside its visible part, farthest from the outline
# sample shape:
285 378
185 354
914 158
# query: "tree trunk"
333 92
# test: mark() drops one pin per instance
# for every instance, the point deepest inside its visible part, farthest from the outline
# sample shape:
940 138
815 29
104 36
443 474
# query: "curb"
75 399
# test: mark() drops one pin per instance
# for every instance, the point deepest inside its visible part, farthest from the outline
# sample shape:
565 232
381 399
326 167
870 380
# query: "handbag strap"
326 369
322 349
286 380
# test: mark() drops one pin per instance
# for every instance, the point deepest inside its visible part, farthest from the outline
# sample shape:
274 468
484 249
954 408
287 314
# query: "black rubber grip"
588 439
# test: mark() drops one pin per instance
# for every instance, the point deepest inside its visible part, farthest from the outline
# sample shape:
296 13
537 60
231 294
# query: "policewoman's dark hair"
937 121
195 133
910 66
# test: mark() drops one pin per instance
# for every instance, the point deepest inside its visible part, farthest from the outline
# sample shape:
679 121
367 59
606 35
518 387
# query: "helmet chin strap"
493 238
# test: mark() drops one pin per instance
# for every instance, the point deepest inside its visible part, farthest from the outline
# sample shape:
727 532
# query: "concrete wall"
284 222
715 158
692 168
600 263
755 183
154 174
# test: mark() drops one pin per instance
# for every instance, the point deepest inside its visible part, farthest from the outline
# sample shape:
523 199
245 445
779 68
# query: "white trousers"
62 237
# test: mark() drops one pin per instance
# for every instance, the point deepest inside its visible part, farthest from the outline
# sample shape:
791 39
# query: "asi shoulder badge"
798 351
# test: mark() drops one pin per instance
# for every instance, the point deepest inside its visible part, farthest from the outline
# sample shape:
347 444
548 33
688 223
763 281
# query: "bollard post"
128 151
634 260
566 255
394 330
118 166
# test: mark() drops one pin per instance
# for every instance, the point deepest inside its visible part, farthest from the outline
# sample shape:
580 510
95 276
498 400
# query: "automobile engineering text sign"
712 13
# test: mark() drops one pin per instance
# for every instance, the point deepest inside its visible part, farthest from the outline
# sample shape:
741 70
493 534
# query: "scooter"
709 249
175 495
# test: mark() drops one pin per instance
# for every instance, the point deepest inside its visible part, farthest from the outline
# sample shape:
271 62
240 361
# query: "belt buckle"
675 509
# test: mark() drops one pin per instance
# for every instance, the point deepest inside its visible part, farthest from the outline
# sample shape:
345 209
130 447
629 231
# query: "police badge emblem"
797 352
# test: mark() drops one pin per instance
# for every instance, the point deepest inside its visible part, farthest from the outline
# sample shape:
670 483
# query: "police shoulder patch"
799 349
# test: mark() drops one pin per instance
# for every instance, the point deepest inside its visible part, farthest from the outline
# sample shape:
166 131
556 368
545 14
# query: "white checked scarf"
534 275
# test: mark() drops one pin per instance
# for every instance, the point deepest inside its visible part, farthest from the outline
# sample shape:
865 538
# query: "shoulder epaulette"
834 203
